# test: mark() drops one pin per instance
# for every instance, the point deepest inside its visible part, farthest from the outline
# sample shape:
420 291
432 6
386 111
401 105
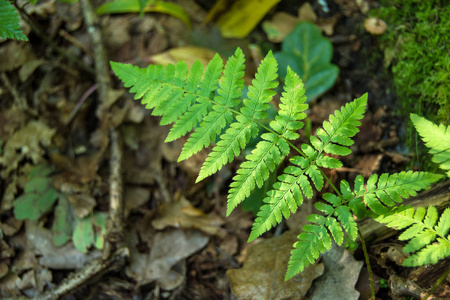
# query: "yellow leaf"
243 17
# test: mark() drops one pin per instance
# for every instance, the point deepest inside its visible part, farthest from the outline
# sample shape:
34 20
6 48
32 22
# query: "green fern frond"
437 138
206 102
387 190
10 22
426 232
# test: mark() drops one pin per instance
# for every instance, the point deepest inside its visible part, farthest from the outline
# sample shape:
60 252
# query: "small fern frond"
384 191
10 22
429 240
437 138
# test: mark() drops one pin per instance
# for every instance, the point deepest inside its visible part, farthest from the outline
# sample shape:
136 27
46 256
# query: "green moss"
416 45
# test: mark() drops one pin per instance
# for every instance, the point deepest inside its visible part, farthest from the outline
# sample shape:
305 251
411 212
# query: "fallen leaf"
236 21
18 54
341 274
188 54
169 248
135 197
26 144
59 258
262 276
181 214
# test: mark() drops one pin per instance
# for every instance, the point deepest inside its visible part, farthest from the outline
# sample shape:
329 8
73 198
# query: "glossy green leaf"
134 6
308 54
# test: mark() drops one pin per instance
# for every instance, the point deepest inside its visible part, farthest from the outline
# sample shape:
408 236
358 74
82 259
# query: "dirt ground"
181 244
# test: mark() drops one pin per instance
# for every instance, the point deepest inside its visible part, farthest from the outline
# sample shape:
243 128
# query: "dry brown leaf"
169 248
181 214
262 276
283 23
18 53
369 164
26 144
341 274
50 256
188 54
135 197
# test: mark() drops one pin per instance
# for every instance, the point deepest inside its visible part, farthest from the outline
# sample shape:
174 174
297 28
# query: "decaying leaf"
188 54
26 143
262 276
59 258
283 23
169 248
181 214
341 274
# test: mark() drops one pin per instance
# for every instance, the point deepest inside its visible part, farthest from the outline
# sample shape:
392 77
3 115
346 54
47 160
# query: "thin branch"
101 63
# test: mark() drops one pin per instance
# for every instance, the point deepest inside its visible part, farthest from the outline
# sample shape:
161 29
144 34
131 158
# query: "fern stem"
332 185
369 269
436 284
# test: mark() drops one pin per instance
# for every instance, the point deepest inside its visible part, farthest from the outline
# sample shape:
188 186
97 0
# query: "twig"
96 267
116 209
101 64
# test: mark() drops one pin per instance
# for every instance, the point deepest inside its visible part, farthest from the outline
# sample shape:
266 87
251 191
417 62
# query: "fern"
427 233
10 22
437 138
208 104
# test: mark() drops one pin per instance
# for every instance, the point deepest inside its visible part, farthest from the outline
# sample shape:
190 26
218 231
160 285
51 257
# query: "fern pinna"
428 234
208 104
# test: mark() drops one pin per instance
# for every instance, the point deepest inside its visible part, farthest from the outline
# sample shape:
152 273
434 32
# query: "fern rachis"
207 103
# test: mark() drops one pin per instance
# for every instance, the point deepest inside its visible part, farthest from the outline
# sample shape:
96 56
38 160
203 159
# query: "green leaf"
308 53
63 222
437 138
83 235
134 6
34 205
10 22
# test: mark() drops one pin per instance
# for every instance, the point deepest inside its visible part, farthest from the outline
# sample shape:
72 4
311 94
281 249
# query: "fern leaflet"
10 22
426 232
437 138
229 91
263 159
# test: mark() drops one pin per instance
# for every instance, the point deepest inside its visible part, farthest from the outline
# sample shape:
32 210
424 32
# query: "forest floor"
181 244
